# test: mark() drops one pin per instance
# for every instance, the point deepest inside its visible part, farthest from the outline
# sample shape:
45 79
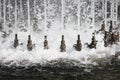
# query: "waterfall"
105 13
9 9
34 8
112 11
78 14
116 11
62 15
4 4
45 15
21 9
28 5
14 10
0 10
16 16
93 13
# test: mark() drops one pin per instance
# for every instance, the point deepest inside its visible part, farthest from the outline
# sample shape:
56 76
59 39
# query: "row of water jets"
110 38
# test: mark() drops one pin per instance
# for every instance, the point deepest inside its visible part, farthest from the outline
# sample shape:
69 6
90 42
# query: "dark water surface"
62 70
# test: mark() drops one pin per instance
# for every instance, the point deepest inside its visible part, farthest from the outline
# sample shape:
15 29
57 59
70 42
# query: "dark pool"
62 70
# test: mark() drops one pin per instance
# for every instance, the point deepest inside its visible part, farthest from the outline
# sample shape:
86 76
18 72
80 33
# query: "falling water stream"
79 14
28 6
34 8
62 15
4 15
9 10
93 12
45 15
0 9
21 9
16 20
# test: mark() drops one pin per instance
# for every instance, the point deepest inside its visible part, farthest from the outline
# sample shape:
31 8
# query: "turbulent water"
61 69
55 18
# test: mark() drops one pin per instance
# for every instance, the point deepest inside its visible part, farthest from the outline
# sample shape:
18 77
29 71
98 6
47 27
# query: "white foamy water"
38 54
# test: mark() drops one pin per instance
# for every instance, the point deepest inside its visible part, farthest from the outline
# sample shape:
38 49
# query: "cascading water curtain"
16 20
62 15
86 13
78 14
45 15
0 9
4 9
28 6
